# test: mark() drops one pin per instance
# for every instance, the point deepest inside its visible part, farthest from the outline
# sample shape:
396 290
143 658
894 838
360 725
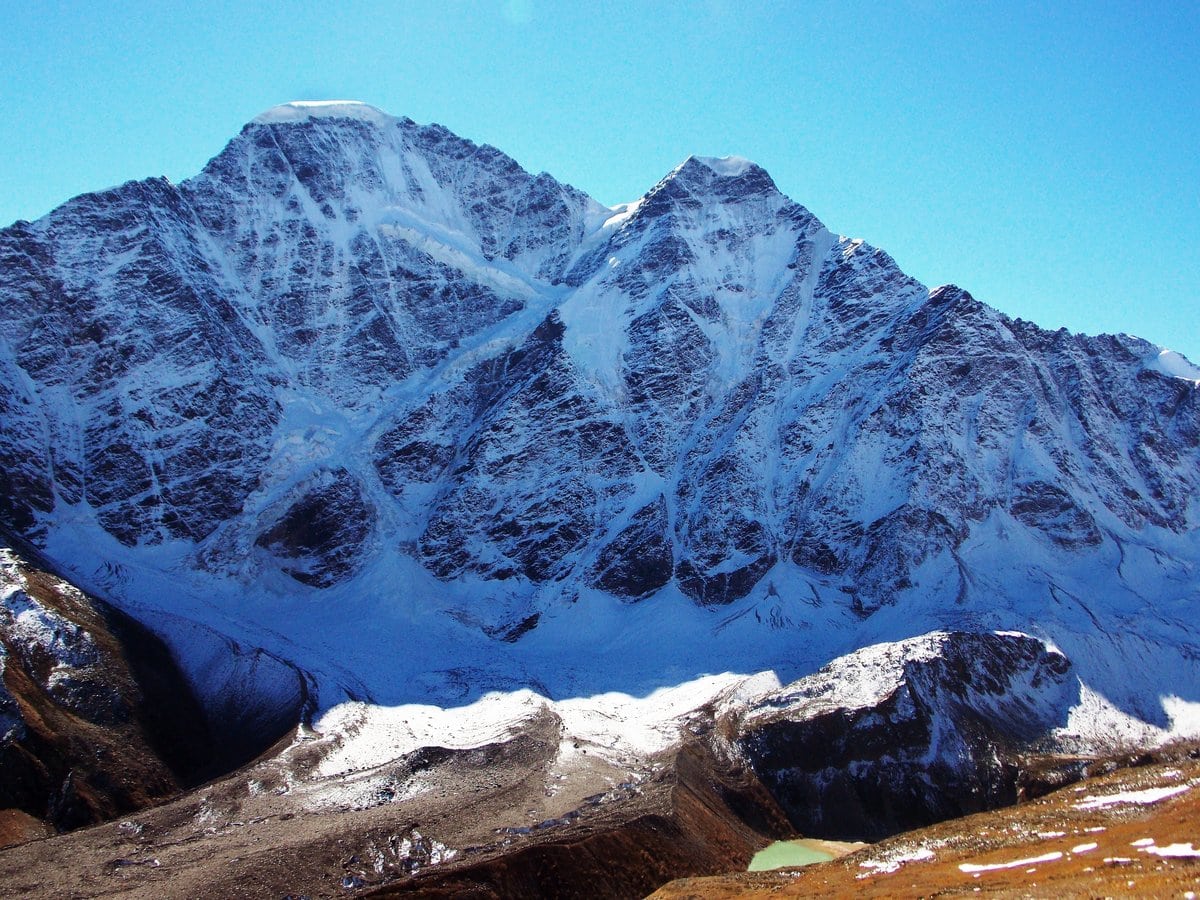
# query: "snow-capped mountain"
371 399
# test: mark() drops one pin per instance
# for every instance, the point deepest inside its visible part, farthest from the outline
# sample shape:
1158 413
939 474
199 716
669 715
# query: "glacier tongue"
374 400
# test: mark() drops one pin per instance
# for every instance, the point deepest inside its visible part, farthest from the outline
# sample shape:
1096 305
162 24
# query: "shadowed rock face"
344 321
95 720
637 562
320 538
898 736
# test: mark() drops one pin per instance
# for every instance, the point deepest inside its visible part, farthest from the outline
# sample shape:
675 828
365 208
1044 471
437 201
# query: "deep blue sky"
1044 156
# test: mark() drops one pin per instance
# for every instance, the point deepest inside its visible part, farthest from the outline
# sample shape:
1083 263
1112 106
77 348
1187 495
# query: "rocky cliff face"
900 735
362 370
346 311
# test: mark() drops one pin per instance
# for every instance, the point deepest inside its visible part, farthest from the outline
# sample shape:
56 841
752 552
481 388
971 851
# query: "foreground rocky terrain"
512 818
526 829
460 485
541 800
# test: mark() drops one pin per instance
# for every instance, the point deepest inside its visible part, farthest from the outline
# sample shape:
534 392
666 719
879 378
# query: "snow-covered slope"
373 399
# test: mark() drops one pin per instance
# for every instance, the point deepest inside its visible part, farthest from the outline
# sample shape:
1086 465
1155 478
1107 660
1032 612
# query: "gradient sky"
1044 156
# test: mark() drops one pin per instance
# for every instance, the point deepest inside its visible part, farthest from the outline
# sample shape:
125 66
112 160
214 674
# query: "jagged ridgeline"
353 331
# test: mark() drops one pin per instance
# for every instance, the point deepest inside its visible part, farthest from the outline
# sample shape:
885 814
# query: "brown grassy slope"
1063 823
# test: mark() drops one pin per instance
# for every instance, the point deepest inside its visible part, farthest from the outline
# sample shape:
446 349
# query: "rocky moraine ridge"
365 416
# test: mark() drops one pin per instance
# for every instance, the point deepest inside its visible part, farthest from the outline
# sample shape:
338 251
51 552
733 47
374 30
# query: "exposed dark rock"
95 718
935 730
637 562
1052 511
320 538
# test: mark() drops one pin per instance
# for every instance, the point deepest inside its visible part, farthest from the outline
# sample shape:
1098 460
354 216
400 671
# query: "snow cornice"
306 110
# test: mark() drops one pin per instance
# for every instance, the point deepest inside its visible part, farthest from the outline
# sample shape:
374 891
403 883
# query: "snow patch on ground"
613 725
373 735
1096 719
1141 798
1016 863
1184 715
893 860
1175 850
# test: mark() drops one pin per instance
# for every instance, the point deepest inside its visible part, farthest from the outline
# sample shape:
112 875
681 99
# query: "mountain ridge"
384 369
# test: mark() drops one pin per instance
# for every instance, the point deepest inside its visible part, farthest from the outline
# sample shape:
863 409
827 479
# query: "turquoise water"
784 854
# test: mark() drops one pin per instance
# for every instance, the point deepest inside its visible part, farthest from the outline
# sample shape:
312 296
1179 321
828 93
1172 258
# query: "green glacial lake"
785 854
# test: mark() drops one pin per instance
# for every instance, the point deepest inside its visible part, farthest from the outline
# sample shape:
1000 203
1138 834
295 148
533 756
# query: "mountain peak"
723 178
304 110
724 166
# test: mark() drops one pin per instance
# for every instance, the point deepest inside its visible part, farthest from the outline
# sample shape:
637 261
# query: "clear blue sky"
1044 156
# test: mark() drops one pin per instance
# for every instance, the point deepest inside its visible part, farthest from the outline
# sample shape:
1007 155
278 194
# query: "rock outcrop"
95 720
901 735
